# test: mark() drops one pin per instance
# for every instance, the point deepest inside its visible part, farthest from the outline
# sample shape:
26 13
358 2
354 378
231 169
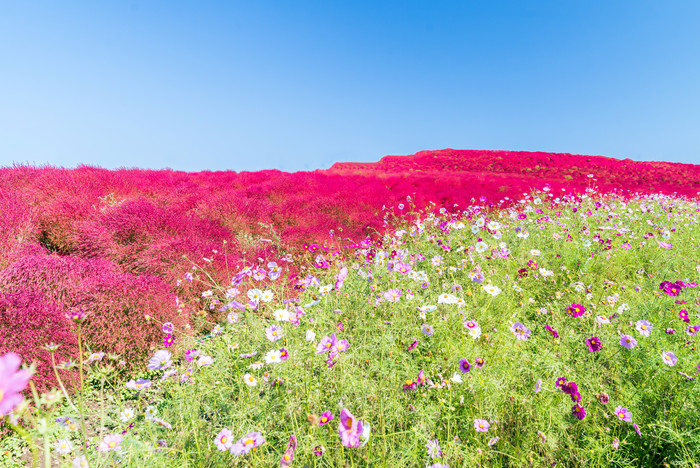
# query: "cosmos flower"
474 328
552 331
481 425
110 442
224 440
628 341
576 310
669 358
594 344
464 366
427 330
520 331
433 448
247 443
578 411
273 333
160 360
349 429
288 456
13 381
623 413
644 327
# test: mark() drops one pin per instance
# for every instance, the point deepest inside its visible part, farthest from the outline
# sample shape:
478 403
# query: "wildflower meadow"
554 327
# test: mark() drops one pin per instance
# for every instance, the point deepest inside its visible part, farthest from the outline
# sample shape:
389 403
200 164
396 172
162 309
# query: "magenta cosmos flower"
594 344
683 314
576 310
552 331
12 381
349 429
623 413
464 366
481 425
325 418
578 411
628 341
669 358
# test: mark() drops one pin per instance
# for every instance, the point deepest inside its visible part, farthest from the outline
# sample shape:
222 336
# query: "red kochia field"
112 242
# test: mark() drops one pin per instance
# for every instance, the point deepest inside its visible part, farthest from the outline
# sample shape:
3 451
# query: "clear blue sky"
298 85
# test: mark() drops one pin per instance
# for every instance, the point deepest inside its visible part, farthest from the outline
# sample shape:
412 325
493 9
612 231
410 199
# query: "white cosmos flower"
250 380
267 296
446 298
491 289
310 335
281 315
456 378
254 295
150 412
273 357
127 414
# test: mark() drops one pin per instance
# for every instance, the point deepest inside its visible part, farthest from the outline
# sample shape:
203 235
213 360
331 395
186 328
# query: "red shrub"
27 322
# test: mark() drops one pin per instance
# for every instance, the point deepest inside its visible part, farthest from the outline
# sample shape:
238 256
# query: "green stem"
60 382
32 445
80 394
47 452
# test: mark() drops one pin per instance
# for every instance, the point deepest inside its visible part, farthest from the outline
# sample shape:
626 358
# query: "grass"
530 424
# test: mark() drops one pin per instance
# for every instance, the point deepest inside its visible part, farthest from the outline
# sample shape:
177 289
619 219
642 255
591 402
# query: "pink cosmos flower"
110 442
247 443
481 425
224 440
644 327
12 382
628 341
288 455
623 413
669 358
325 418
349 429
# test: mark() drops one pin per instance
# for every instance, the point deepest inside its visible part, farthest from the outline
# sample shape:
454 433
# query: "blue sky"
300 85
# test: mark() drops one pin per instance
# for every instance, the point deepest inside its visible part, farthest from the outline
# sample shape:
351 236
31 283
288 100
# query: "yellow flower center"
409 382
224 439
644 327
286 457
328 345
112 444
481 426
324 419
274 333
621 415
248 442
